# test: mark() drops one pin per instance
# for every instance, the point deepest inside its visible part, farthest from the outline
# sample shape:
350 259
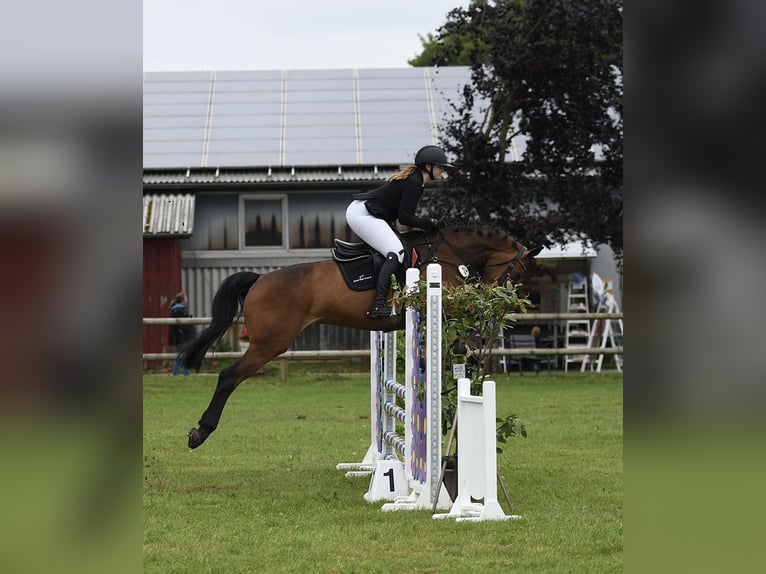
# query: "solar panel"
178 146
243 159
420 130
233 120
158 122
158 158
264 97
171 134
264 143
327 120
296 117
323 156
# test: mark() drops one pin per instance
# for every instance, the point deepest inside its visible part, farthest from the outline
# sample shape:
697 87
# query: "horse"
277 306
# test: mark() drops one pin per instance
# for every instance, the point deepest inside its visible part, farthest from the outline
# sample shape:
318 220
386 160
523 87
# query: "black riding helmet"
431 154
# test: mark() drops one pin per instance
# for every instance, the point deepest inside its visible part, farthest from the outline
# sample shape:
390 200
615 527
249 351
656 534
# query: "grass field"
263 495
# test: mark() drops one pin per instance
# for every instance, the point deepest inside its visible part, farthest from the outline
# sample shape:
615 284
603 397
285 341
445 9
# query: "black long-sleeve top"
179 334
397 200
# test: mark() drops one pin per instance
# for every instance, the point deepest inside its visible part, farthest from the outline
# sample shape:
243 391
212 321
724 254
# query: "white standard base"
419 501
388 481
359 469
475 512
476 457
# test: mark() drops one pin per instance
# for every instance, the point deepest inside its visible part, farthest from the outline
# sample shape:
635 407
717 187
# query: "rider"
372 214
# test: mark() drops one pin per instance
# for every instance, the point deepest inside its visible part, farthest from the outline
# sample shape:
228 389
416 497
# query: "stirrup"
379 312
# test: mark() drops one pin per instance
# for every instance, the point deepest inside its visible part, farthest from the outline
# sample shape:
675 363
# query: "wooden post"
283 370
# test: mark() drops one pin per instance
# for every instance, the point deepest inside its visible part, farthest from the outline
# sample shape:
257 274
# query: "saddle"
360 264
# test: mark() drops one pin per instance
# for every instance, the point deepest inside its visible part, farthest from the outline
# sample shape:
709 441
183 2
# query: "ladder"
577 333
604 331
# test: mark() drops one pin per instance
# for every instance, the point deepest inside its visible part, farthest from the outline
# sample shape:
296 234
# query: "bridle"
510 264
510 268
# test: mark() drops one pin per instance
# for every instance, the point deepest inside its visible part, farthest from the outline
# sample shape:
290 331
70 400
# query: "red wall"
162 280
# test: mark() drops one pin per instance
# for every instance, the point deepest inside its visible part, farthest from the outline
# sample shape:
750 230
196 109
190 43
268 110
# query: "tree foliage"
453 50
547 73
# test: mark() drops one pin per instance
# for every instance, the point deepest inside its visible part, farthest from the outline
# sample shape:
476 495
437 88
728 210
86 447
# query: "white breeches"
374 231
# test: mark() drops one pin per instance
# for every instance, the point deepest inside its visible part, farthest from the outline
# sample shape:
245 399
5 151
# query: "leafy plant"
474 314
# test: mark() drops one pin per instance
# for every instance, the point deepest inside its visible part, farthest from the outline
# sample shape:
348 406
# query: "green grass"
263 495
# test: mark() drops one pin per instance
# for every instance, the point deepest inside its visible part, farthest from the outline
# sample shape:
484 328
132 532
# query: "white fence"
340 354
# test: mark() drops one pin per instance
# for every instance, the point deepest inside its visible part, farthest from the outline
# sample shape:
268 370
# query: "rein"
509 270
434 259
464 267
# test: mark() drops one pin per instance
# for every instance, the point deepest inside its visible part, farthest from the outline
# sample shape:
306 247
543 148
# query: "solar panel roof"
295 117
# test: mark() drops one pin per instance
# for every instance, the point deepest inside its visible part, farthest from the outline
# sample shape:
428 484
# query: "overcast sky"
286 34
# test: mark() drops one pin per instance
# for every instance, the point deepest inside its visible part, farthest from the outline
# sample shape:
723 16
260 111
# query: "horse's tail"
226 305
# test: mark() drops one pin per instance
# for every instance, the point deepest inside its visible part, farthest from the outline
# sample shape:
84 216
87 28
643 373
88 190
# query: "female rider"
372 214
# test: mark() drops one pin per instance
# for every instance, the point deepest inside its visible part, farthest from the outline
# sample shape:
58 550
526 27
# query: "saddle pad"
359 273
359 263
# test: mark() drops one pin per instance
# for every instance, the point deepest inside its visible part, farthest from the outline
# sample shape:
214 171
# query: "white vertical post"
376 376
389 373
434 375
389 358
476 456
492 509
471 453
412 276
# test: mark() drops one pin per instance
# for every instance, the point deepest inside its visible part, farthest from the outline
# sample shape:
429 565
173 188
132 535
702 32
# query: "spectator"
179 336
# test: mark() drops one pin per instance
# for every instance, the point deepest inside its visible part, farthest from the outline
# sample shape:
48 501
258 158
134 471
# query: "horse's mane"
450 227
479 229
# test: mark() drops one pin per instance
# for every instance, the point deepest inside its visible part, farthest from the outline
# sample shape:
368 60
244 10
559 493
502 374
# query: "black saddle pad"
360 264
361 273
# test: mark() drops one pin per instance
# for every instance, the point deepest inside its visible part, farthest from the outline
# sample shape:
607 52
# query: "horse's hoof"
196 438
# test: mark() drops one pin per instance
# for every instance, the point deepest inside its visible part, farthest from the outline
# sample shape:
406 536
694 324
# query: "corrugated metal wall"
172 214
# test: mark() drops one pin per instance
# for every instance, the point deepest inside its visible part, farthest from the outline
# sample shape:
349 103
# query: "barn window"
216 223
317 218
263 222
292 221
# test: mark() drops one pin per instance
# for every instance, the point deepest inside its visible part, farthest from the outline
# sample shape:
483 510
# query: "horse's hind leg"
228 380
281 315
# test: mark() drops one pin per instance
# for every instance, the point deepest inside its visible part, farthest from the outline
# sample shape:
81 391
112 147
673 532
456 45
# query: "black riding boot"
390 267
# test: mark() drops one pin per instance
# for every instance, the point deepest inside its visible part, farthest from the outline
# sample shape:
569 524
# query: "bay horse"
277 306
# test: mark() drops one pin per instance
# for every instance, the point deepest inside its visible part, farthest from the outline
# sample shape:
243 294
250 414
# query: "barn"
253 170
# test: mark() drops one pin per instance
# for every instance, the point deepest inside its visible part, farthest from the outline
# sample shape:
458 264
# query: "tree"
454 50
549 71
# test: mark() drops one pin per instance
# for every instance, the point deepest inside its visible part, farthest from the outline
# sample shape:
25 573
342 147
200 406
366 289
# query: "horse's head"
509 263
493 254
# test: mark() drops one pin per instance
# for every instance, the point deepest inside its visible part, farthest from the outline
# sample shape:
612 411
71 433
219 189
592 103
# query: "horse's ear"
532 253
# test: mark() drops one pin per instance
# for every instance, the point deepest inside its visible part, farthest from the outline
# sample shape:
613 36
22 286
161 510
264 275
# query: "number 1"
390 475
